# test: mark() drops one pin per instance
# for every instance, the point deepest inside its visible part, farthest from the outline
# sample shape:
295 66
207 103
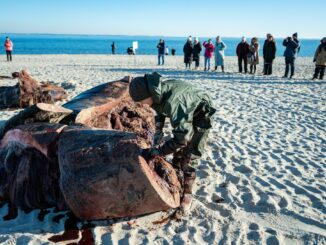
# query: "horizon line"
134 35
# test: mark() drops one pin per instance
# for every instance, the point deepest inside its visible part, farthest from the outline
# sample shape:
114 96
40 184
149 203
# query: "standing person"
292 49
189 110
187 51
8 47
209 49
320 59
219 53
173 52
113 48
161 49
269 51
196 52
242 52
253 56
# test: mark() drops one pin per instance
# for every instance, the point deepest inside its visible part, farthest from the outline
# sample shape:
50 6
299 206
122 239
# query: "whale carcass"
85 157
28 92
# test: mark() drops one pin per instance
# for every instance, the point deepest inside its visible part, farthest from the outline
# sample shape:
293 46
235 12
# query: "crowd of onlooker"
247 53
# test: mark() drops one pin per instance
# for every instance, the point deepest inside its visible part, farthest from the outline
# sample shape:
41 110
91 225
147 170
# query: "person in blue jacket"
292 49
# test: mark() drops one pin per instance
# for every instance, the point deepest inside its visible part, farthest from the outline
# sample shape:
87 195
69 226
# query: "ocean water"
93 44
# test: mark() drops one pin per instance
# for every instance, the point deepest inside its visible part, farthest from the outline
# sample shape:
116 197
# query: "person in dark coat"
242 53
189 110
253 55
187 51
173 52
196 52
292 49
161 51
269 52
113 48
320 59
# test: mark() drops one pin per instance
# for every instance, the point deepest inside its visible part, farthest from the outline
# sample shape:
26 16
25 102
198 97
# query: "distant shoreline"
136 36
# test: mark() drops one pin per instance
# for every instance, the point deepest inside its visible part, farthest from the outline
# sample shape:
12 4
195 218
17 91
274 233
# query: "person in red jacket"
8 47
242 52
209 49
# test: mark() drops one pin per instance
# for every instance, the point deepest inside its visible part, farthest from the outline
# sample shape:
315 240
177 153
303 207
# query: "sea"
32 44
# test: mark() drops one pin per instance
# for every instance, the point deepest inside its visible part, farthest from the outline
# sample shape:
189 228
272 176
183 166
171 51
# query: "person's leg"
222 68
206 62
158 60
317 70
209 63
245 64
292 66
270 68
287 64
322 72
255 68
162 59
251 67
7 53
10 55
196 64
187 160
240 64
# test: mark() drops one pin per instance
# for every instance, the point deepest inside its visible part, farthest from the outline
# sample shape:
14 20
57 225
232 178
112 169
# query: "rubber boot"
189 180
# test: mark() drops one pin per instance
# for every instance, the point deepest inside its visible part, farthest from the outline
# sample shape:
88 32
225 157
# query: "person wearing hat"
320 59
189 110
292 49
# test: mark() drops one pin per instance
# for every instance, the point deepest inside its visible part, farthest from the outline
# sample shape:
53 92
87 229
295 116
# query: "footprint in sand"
272 240
243 169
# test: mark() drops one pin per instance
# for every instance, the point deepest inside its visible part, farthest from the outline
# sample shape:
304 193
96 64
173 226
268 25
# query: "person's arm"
223 46
182 132
159 125
274 50
316 53
285 42
264 49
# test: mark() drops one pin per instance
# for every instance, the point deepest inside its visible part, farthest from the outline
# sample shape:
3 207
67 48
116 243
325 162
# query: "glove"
150 153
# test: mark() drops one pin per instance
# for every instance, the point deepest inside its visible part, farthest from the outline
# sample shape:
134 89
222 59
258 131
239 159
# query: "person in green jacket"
189 110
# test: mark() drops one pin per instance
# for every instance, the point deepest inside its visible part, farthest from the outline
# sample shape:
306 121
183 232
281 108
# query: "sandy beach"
266 155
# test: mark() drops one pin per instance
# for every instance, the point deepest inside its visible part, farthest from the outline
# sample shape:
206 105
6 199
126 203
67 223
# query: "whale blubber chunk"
29 92
103 176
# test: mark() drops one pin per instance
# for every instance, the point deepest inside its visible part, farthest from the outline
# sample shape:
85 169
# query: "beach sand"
265 156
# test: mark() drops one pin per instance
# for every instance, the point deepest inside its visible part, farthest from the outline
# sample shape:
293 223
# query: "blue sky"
229 18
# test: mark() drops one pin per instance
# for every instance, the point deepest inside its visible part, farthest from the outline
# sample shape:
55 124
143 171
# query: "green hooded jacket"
183 104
